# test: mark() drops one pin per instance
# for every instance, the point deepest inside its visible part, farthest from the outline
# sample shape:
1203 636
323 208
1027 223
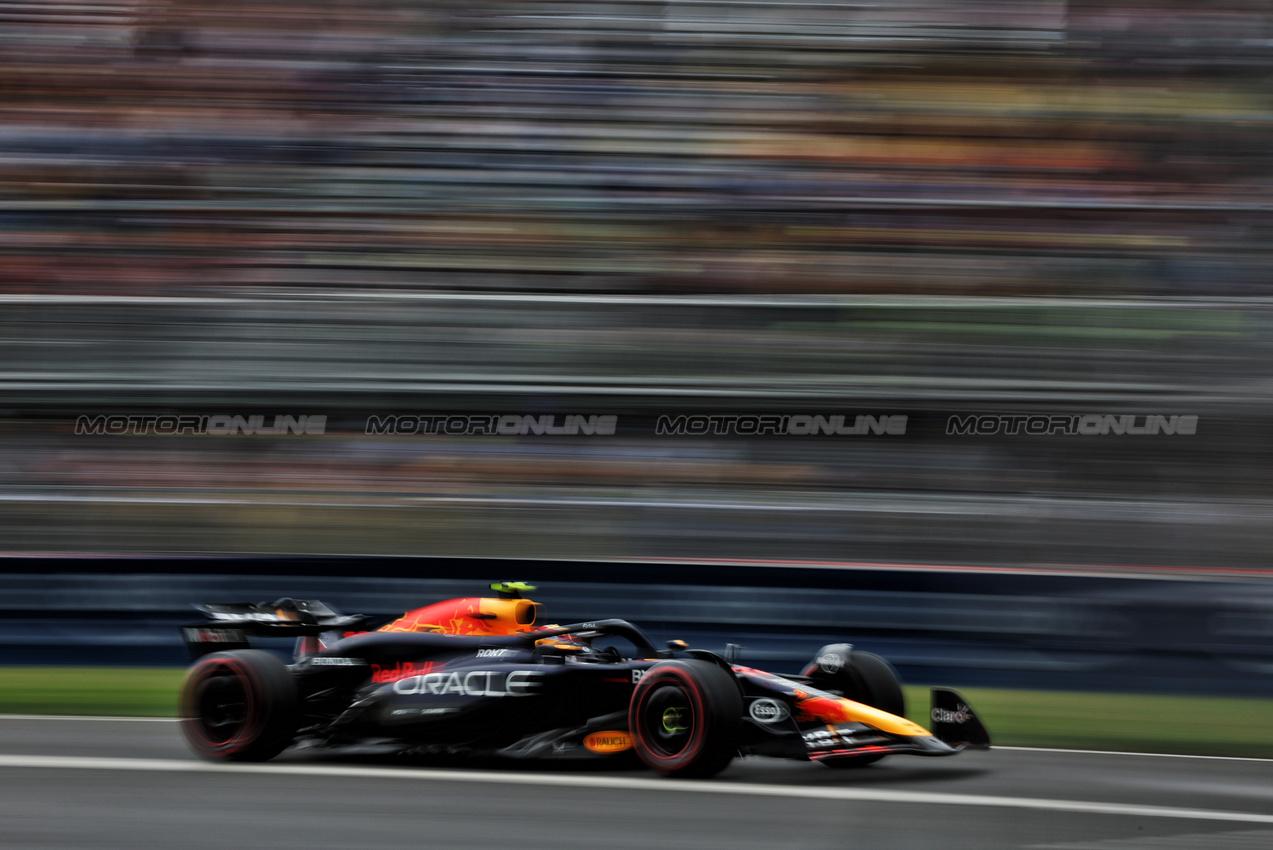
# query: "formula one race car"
476 676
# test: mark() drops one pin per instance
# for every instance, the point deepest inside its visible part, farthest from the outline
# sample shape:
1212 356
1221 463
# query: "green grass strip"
1216 726
113 691
1131 722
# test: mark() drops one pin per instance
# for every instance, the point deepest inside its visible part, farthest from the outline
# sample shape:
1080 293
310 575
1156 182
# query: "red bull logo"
403 670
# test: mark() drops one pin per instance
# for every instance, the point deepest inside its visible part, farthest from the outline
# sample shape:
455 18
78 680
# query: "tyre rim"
668 720
221 706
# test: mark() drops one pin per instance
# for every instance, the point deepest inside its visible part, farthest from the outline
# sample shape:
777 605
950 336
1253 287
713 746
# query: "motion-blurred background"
928 208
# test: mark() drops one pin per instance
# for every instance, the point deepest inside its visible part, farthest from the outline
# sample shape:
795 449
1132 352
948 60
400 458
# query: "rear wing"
231 625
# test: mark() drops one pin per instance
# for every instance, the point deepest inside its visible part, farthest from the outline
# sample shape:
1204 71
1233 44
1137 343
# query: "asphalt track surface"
99 783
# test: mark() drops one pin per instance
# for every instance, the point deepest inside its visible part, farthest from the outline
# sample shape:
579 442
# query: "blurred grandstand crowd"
597 207
165 147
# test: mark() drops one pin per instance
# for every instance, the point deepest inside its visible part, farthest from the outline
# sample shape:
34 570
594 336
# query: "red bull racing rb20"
477 676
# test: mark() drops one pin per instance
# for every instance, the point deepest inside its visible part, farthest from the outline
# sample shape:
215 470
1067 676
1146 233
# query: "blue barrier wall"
1036 631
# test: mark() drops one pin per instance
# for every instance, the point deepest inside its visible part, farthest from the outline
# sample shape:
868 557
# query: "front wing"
956 727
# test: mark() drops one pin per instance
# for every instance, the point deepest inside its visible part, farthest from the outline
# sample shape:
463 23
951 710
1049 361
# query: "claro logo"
608 742
473 683
961 714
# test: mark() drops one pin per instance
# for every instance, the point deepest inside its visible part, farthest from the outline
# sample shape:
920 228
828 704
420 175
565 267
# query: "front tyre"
239 706
686 718
861 677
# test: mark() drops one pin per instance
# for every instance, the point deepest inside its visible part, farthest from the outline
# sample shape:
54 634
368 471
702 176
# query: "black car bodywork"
588 690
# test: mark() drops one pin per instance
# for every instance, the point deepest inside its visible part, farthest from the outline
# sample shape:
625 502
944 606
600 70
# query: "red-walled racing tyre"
861 677
239 706
686 718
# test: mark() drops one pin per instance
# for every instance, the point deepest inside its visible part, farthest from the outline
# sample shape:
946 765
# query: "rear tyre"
239 706
861 677
686 718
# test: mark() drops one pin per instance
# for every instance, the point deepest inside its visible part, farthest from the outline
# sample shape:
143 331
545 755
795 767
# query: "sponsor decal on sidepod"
336 661
494 653
608 742
472 683
402 670
767 711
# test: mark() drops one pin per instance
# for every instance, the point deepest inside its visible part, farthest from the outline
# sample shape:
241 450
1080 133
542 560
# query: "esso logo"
768 711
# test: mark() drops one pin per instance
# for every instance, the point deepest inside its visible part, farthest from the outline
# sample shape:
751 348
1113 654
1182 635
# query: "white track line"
1130 753
105 718
857 795
109 718
93 717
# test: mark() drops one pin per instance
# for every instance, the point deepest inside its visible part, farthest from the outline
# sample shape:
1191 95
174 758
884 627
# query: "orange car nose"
839 710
